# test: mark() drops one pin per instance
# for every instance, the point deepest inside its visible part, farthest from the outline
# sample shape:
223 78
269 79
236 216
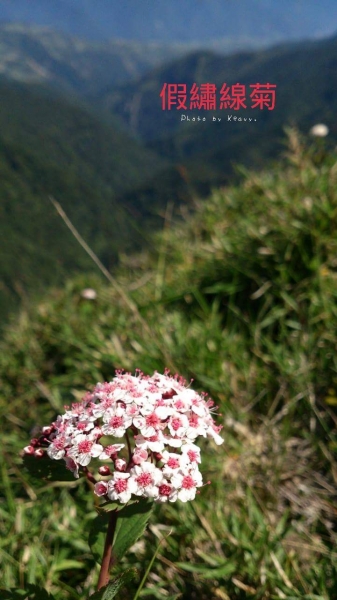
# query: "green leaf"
47 469
226 570
131 522
107 507
32 592
293 324
109 591
12 594
97 535
66 564
149 592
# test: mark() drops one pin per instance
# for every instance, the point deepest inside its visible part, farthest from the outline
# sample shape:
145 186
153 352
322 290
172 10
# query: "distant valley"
41 55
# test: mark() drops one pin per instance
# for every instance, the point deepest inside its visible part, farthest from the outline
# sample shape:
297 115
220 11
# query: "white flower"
319 130
147 477
175 442
84 449
166 492
110 451
116 422
173 462
85 425
149 425
192 452
155 414
186 484
121 487
178 424
89 294
57 448
101 488
213 432
155 443
139 456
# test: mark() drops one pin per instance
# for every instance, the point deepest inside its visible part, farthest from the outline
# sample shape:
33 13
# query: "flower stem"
129 447
107 559
89 475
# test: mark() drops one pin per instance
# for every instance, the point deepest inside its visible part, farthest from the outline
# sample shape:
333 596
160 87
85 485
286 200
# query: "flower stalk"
108 558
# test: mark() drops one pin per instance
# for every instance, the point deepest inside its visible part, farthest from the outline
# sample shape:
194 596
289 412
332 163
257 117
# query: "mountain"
51 146
204 22
40 55
306 78
115 166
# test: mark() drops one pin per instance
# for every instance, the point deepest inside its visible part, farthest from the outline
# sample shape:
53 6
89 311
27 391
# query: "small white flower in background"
89 294
160 419
319 130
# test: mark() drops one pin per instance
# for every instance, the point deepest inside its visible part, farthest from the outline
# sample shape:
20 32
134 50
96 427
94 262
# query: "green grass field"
241 296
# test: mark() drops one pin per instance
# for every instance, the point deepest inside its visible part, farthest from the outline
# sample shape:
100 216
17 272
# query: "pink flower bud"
120 464
139 456
47 430
169 394
104 470
29 450
101 488
39 453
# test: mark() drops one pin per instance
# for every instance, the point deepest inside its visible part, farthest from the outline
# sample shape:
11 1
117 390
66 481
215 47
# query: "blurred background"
81 117
211 251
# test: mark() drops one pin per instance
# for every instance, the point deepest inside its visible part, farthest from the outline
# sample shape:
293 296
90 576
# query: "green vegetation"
53 146
241 297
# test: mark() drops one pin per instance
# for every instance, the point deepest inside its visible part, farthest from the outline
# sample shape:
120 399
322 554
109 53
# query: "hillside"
41 55
248 22
306 80
241 298
50 146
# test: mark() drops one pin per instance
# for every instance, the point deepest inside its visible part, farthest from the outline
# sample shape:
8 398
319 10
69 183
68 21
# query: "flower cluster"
157 418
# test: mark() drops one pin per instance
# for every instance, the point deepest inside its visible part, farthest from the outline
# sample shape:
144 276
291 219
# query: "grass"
241 297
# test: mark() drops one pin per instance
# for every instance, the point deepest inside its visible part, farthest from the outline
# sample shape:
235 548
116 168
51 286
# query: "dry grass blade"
126 299
281 571
132 306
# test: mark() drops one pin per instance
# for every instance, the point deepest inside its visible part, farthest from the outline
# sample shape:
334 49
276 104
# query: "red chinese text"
206 96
